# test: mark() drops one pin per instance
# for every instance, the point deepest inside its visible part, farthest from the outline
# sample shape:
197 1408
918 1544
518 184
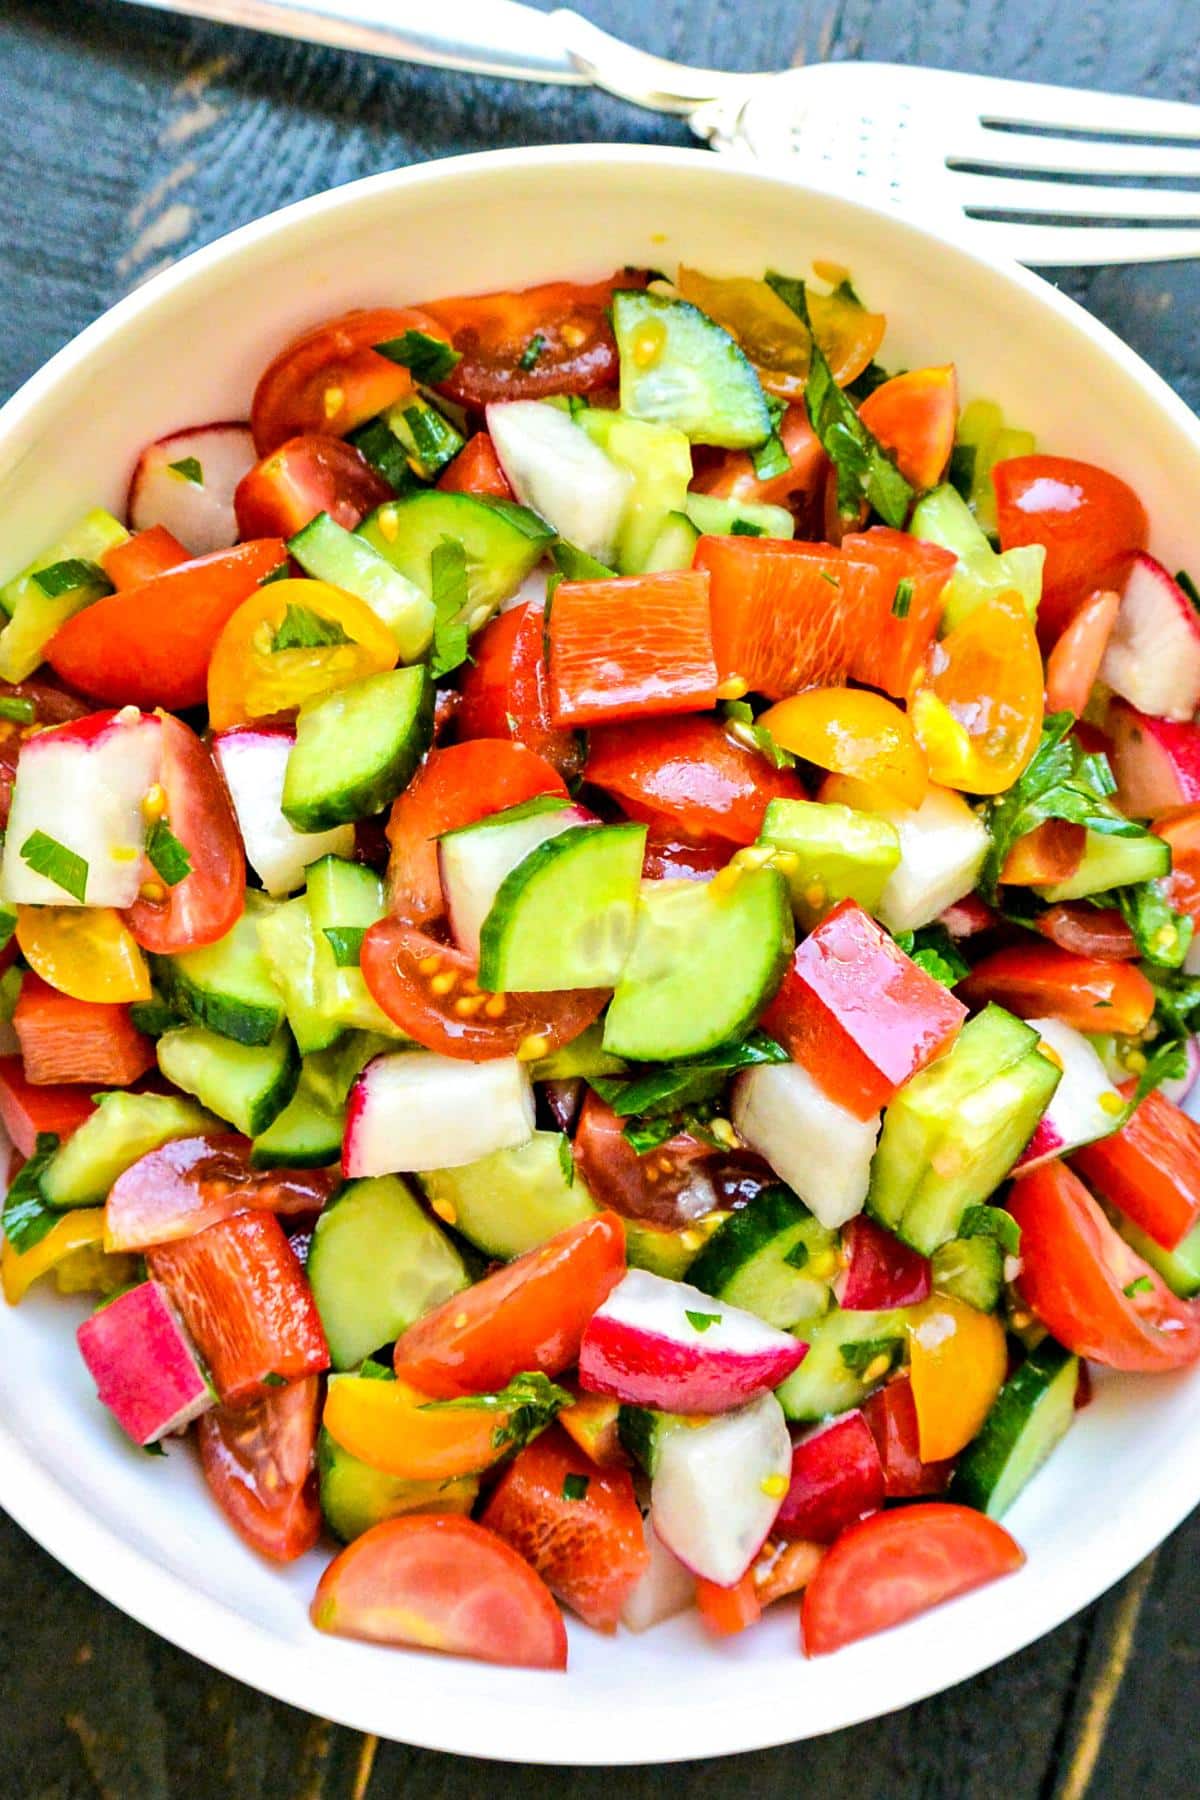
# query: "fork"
1023 169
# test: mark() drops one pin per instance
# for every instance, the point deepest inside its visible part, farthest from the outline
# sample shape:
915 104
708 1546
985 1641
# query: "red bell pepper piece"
476 470
891 1414
1150 1169
630 646
881 1272
1040 981
66 1040
26 1110
837 1476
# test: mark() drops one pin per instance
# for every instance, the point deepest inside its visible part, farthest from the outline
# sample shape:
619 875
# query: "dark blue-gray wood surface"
128 138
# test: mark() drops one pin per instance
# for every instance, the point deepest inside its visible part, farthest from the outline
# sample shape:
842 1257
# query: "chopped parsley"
46 856
346 943
934 950
450 592
167 855
303 629
28 1215
575 1487
859 1357
739 715
426 358
188 469
1143 1285
526 1406
771 458
701 1321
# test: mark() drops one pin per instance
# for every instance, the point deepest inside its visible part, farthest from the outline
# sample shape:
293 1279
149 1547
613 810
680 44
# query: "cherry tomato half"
668 1186
260 1463
913 416
560 331
855 733
1150 1169
209 900
1090 522
505 690
85 951
249 679
303 477
692 774
958 1361
979 718
1040 981
331 378
193 1182
1074 663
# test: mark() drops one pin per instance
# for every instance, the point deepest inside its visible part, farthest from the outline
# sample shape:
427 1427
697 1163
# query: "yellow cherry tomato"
80 1229
854 733
270 658
776 339
86 951
958 1359
979 716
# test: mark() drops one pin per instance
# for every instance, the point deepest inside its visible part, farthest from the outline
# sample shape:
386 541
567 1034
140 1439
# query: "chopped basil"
1167 1061
647 1134
566 1160
346 943
68 577
17 707
28 1215
743 528
994 1222
902 598
859 1357
739 714
701 1321
303 629
771 458
188 469
797 1256
532 352
450 593
167 855
1143 1285
46 856
427 358
528 1404
665 1090
934 950
281 572
575 1487
1184 580
273 1380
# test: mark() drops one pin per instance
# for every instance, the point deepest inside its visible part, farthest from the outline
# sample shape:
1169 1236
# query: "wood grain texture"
129 138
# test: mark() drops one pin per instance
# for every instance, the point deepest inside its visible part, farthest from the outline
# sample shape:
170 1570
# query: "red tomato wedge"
892 654
439 1582
260 1463
476 470
1092 524
1040 981
669 858
150 646
142 556
1074 663
858 1013
891 1413
209 900
733 477
331 378
25 1110
400 966
727 1611
691 774
894 1565
1150 1169
913 416
67 1040
194 1182
560 329
1092 1292
578 1525
243 1297
631 646
530 1315
454 786
668 1186
305 476
1091 931
505 690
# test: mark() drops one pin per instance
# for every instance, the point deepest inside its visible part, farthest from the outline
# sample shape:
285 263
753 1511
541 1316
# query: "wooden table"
127 139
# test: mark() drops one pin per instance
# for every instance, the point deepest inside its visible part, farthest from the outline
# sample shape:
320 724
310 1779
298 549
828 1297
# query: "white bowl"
188 347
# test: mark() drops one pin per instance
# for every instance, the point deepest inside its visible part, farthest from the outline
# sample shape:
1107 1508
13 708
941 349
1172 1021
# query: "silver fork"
1025 169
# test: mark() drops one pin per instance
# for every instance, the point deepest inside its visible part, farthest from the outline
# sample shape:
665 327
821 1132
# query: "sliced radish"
817 1147
554 467
665 1589
1156 761
253 760
146 1369
416 1111
942 847
664 1344
474 860
1153 655
837 1476
880 1272
81 785
1085 1104
196 507
718 1487
1179 1087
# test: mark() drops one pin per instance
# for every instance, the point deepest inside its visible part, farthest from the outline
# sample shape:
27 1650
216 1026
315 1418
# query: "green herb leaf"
1143 1285
864 385
1184 580
273 1380
69 576
386 454
530 1403
743 528
647 1134
434 440
691 1083
934 950
532 351
574 564
346 943
448 580
370 1370
1163 935
575 1487
154 1449
992 1221
961 473
902 598
739 715
17 707
188 469
167 855
859 1357
8 924
1165 1061
566 1160
303 629
281 572
1176 1001
28 1215
428 358
771 458
46 856
701 1321
798 1256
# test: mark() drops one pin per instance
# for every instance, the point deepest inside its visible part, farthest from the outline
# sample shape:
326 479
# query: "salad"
598 912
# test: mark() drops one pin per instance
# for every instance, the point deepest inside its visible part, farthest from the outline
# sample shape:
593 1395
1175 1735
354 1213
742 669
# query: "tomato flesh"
1150 1169
1040 981
1091 523
27 1110
194 1182
476 470
561 330
505 691
208 902
669 1186
892 1416
914 416
689 773
631 646
893 653
733 476
303 477
979 718
260 1464
331 378
64 1040
1090 931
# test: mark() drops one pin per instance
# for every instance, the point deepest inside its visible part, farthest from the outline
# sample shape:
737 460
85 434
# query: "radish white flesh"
1085 1104
1156 761
1153 655
146 1369
817 1147
532 591
1179 1087
664 1344
474 861
719 1486
416 1111
665 1589
82 784
942 847
254 763
198 512
554 468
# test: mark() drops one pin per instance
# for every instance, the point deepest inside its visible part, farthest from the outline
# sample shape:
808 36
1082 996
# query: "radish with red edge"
837 1477
186 482
1156 761
1153 655
253 759
664 1344
146 1369
78 797
665 1589
1177 1087
1084 1106
555 469
415 1111
880 1271
474 860
718 1486
820 1149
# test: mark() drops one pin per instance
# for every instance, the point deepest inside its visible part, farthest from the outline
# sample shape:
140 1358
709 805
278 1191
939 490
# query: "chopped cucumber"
773 1258
659 460
330 1074
1110 862
982 431
227 986
718 517
329 552
643 1432
674 547
34 615
307 1134
289 944
512 1200
943 517
704 963
836 854
345 898
248 1084
355 1496
942 848
584 1055
426 435
1033 1410
377 1264
680 368
662 1251
123 1128
503 543
1179 1268
970 1269
356 748
474 859
849 1354
564 917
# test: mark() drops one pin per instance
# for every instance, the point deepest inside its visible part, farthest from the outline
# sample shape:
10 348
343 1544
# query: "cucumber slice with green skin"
840 854
659 460
943 517
1033 1411
356 748
289 945
555 468
33 615
503 542
354 1496
1111 862
306 1135
718 517
849 1355
247 1084
345 898
426 435
703 965
330 1074
773 1259
583 1056
565 916
377 1264
153 1016
674 547
643 1432
513 1200
123 1129
1179 1268
474 860
227 987
679 368
970 1269
660 1250
327 551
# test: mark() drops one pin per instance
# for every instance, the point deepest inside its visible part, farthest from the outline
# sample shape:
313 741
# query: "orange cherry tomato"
248 679
1040 981
783 1569
1051 852
1074 663
979 718
958 1363
729 1610
914 416
853 733
776 339
397 1429
87 952
80 1229
331 378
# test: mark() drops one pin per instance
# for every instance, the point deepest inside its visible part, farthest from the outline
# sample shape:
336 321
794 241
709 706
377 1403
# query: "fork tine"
1073 156
1075 109
1076 200
1078 246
